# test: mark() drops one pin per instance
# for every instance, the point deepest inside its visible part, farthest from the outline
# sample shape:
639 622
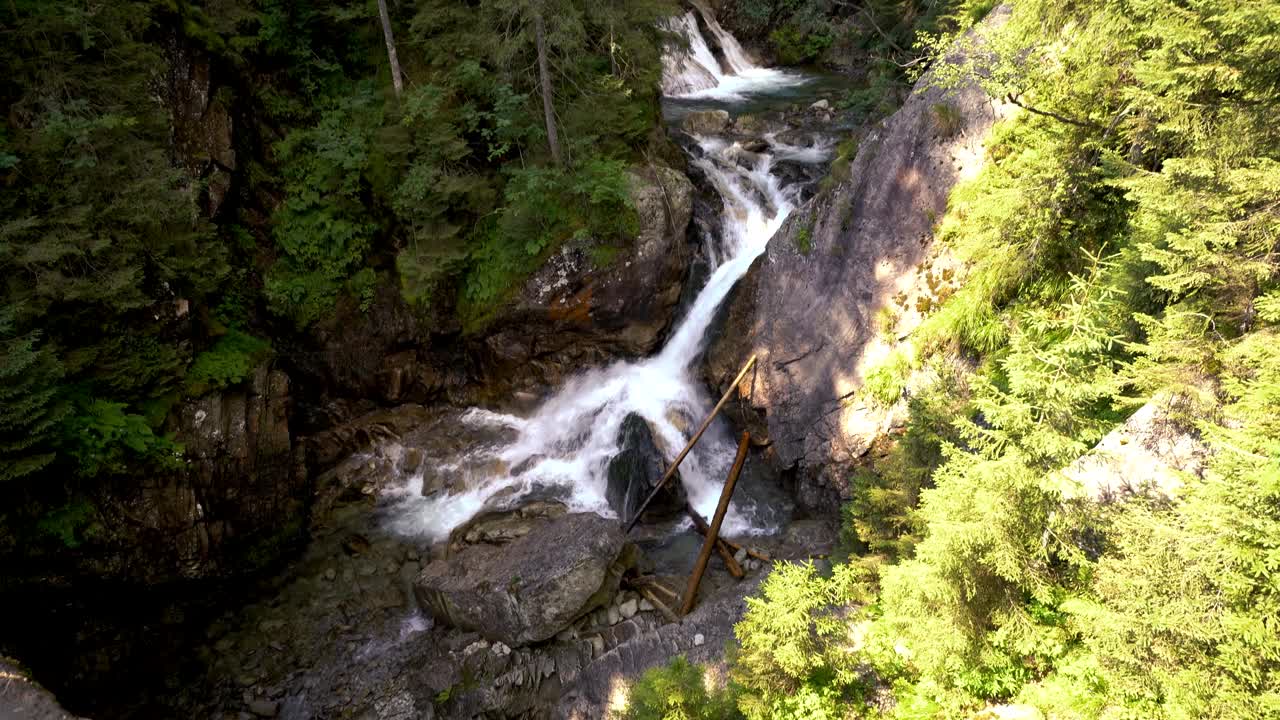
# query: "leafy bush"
795 45
543 208
229 362
679 691
103 440
888 381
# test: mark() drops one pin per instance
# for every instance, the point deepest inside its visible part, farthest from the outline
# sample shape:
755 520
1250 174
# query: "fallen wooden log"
722 546
691 592
692 441
701 526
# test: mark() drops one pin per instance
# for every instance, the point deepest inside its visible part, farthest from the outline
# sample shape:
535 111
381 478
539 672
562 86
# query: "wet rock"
706 122
502 527
823 104
532 588
633 472
755 145
355 544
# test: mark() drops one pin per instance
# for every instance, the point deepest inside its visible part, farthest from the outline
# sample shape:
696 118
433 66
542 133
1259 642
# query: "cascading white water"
734 56
694 70
566 444
698 73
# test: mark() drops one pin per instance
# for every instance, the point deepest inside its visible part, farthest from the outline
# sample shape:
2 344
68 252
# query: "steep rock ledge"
807 307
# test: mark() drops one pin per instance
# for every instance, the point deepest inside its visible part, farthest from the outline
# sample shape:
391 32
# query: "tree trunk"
391 47
548 108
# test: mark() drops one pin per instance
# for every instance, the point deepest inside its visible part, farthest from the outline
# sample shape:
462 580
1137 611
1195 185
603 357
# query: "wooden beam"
722 546
690 593
671 471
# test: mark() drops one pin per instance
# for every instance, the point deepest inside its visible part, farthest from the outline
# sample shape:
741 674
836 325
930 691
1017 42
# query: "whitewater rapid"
564 446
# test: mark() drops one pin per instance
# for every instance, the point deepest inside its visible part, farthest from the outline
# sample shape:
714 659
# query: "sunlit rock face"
808 306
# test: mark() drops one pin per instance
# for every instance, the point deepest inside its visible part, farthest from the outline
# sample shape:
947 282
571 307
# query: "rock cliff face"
237 491
583 306
808 305
587 304
202 124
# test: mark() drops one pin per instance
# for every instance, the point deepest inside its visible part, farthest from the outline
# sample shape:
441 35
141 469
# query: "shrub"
229 362
947 118
888 380
679 691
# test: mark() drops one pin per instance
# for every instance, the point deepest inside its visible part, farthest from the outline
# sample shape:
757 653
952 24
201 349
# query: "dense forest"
190 187
1123 244
162 234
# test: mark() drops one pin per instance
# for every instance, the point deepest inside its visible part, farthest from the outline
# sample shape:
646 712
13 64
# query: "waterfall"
690 71
564 446
696 72
734 56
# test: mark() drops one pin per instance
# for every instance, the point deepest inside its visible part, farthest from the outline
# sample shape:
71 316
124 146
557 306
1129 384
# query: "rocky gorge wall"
808 307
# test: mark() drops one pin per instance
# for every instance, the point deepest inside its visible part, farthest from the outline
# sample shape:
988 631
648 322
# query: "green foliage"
797 45
71 524
792 662
947 118
886 382
29 406
228 363
679 691
542 208
804 239
103 440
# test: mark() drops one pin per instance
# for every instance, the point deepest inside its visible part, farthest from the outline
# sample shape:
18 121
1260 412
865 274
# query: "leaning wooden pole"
722 547
713 533
675 464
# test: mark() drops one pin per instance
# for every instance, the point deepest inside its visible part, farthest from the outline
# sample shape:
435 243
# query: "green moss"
804 240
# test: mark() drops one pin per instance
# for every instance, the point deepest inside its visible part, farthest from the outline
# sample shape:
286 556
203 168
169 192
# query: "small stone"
699 639
597 645
740 557
646 606
629 609
246 680
566 635
500 649
475 647
264 708
412 555
821 105
753 565
612 615
367 569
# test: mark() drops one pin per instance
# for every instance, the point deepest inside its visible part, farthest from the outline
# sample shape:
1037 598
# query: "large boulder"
634 470
531 588
21 697
1148 456
706 122
809 304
